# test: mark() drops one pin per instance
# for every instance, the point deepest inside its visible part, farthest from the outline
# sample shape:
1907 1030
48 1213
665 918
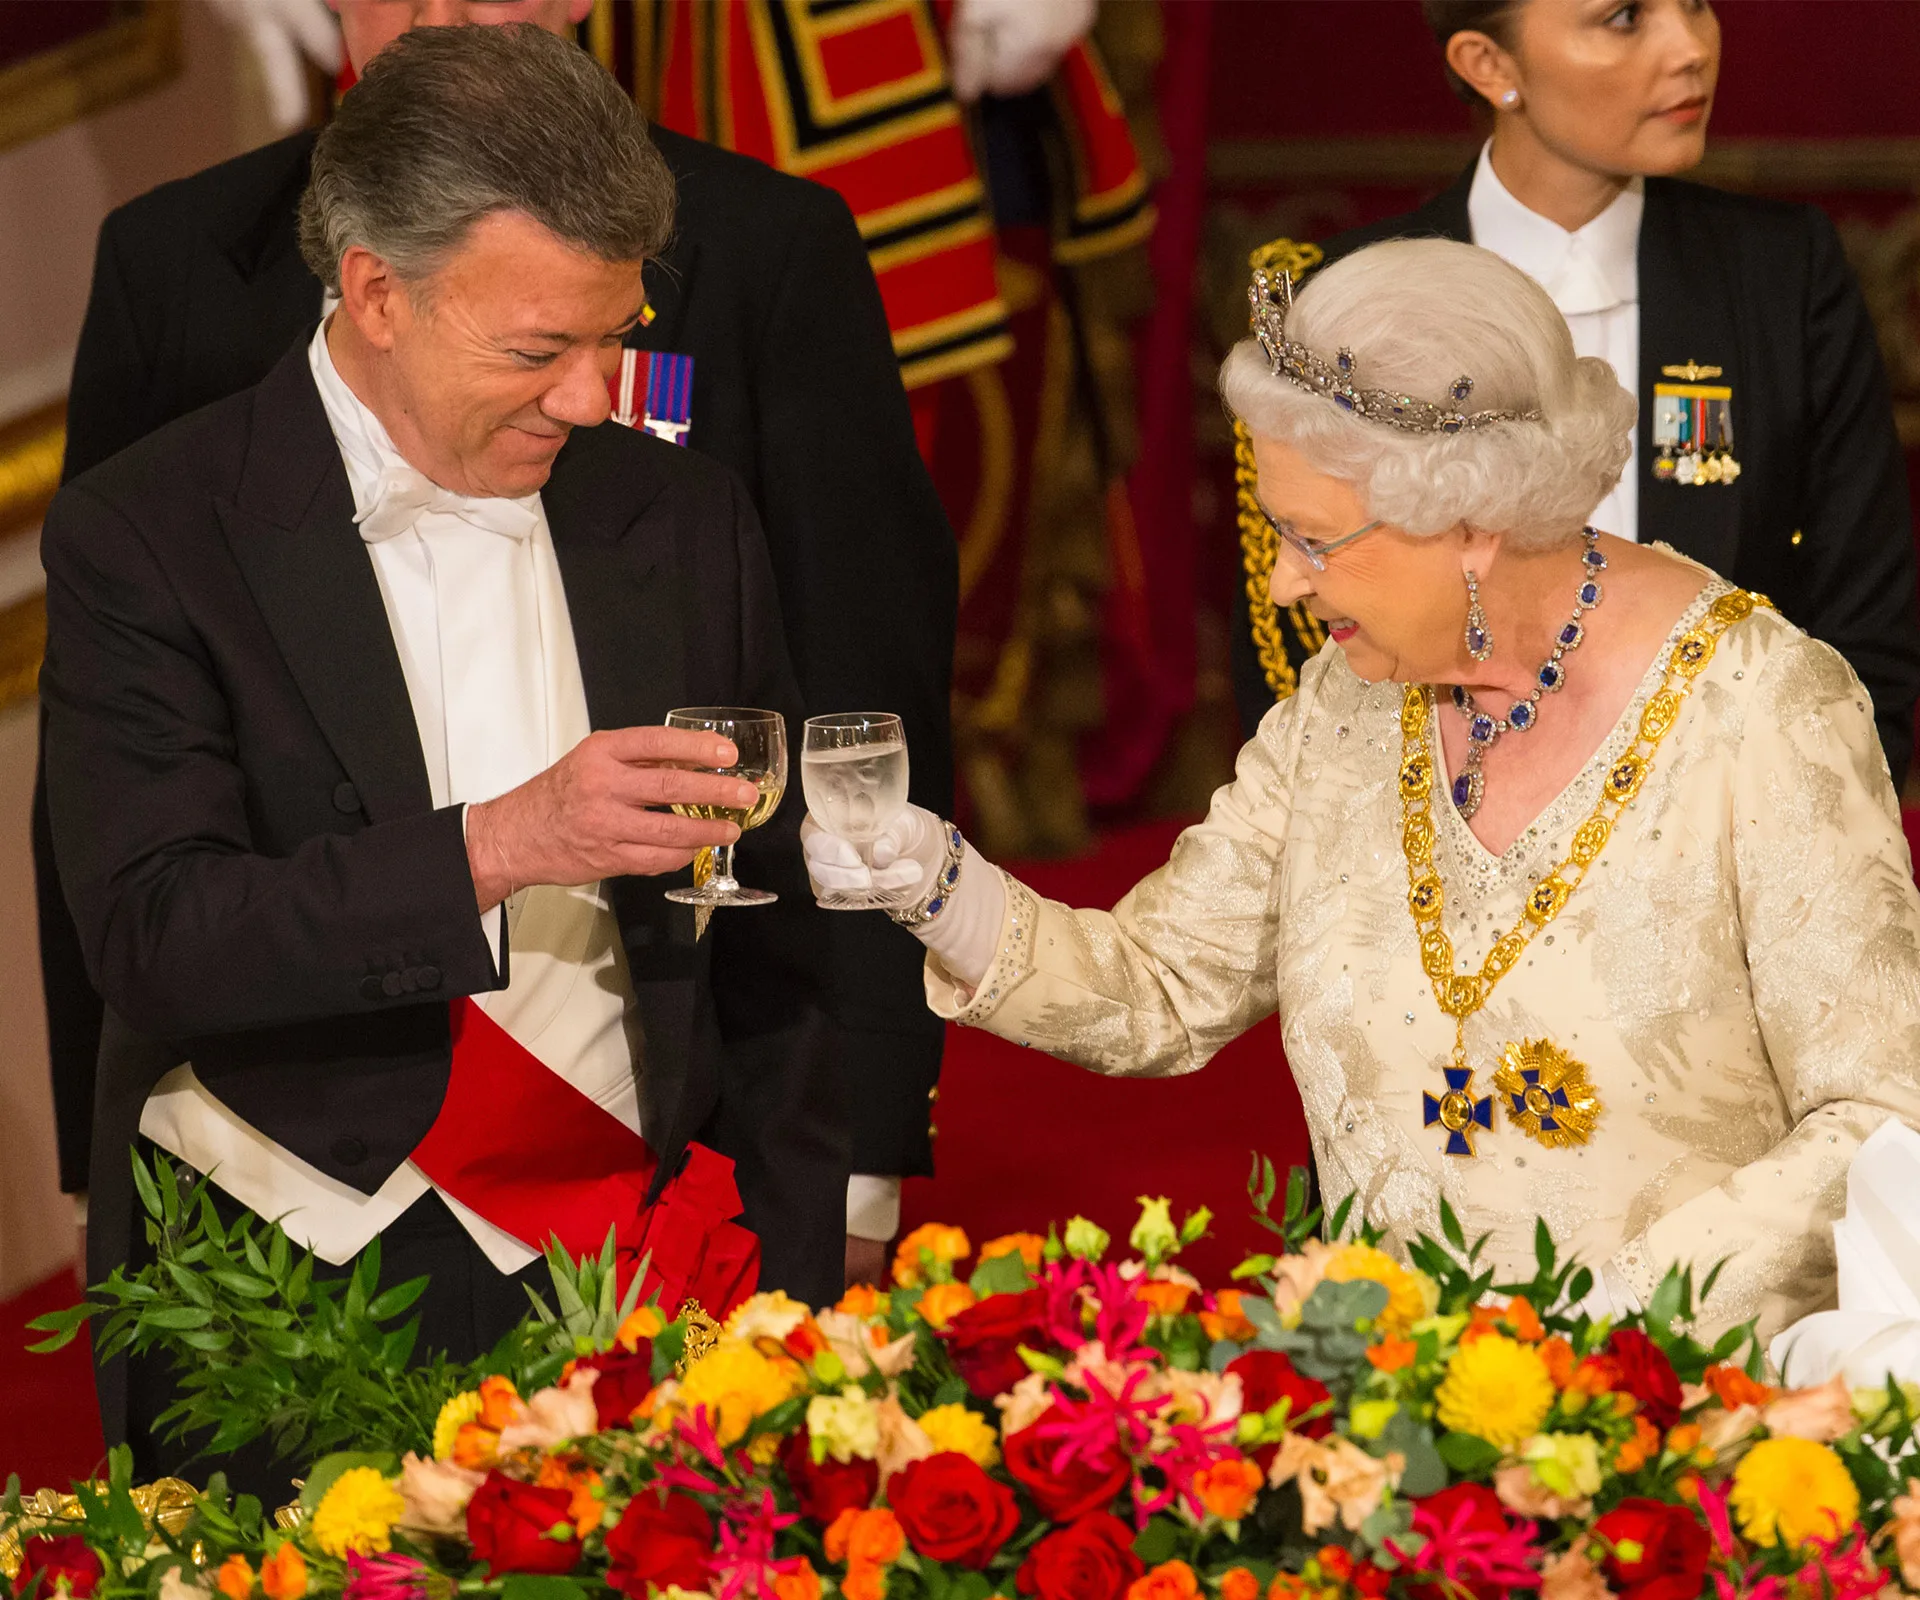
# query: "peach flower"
1296 1277
1822 1413
436 1493
1024 1404
1337 1480
1905 1531
1520 1491
553 1416
1571 1576
902 1440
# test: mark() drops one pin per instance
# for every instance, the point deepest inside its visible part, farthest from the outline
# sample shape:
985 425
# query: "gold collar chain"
1543 1090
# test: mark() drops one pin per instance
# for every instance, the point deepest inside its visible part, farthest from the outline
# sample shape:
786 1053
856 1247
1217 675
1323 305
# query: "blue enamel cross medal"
1459 1111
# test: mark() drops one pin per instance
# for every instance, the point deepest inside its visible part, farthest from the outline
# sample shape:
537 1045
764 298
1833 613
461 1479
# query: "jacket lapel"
1686 314
617 566
291 530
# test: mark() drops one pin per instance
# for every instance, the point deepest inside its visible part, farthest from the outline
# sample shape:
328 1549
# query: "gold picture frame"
125 56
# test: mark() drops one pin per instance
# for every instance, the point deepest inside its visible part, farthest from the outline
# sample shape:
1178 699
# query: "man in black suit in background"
198 290
353 691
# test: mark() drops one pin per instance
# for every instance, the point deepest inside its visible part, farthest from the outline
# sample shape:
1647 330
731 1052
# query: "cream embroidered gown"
1740 972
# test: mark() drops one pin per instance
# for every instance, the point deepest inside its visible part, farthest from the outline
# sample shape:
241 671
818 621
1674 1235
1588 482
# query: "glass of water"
853 771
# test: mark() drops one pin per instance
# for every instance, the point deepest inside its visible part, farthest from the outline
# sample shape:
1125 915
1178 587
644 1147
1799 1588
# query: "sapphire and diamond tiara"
1271 296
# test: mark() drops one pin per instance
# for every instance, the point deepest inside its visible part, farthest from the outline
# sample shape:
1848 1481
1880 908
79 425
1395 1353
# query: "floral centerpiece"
1041 1417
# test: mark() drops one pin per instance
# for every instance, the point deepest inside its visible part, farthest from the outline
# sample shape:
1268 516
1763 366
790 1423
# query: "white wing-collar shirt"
1593 275
473 594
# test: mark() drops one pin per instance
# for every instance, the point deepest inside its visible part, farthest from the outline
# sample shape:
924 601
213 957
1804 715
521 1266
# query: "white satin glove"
1011 46
280 33
907 856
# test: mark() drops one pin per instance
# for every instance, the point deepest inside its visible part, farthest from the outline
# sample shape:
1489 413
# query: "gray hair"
1418 313
449 125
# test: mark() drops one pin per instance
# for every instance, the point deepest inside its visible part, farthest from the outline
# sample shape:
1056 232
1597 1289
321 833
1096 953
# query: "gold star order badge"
1545 1093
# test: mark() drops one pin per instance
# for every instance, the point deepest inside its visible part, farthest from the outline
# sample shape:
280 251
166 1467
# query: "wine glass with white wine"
760 746
853 771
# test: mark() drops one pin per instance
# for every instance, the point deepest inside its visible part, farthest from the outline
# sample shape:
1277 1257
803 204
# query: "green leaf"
240 1283
177 1317
540 1586
1157 1541
1468 1454
324 1472
1543 1251
143 1183
1450 1226
1003 1274
397 1299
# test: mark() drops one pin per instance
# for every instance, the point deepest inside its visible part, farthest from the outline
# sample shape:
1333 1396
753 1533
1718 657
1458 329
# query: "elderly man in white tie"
353 691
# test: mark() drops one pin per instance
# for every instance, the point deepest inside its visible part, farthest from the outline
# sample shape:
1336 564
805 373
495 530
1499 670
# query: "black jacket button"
370 988
349 1152
345 797
390 985
429 977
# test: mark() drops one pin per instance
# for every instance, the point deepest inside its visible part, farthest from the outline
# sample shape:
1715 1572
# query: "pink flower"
1571 1576
1821 1414
1120 1317
436 1493
555 1415
1190 1451
384 1577
1085 1430
743 1560
1463 1555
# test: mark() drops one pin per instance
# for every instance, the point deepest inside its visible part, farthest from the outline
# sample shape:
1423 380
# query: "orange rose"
1594 1376
1734 1389
1558 1355
1390 1355
1335 1562
942 1302
1286 1586
1682 1437
1226 1320
872 1537
499 1403
586 1509
1228 1488
1171 1580
943 1244
803 1583
1636 1452
862 1300
284 1573
235 1579
1237 1583
864 1582
1029 1245
1165 1297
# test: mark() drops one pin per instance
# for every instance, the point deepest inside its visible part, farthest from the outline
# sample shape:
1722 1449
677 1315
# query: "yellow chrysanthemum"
1496 1389
1411 1294
358 1513
1793 1490
736 1383
957 1428
454 1415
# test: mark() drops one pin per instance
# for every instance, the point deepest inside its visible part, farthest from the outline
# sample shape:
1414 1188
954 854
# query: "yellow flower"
957 1428
1793 1490
736 1383
1496 1389
943 1244
454 1415
1411 1295
942 1302
357 1513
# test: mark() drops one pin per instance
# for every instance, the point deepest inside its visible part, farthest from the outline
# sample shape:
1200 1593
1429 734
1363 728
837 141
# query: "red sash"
517 1143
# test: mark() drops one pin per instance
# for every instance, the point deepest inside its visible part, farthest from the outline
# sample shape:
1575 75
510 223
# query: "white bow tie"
403 495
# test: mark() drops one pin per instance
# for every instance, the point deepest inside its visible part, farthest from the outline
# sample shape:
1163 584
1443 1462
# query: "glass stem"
723 878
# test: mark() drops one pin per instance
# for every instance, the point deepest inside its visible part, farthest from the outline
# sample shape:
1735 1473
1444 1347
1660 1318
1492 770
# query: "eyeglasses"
1314 551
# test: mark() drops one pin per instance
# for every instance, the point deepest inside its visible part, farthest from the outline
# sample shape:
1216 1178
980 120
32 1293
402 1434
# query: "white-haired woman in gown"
1574 874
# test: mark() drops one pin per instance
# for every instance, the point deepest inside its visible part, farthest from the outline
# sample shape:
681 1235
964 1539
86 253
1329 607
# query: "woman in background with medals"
1571 869
1765 446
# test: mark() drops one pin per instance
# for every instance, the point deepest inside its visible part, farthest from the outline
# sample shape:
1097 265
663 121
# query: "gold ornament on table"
703 1333
166 1504
1556 1105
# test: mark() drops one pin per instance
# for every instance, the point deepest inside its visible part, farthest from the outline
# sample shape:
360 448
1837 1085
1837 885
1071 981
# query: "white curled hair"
1417 314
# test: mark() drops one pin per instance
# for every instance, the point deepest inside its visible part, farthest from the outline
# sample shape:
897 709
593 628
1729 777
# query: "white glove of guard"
280 33
1011 46
907 856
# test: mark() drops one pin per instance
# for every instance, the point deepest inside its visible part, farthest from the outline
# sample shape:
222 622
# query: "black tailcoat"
260 881
198 290
1819 519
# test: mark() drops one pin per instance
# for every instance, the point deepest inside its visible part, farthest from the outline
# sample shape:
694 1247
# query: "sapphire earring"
1479 641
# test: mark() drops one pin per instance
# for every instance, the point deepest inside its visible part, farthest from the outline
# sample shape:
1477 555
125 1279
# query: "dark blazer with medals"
260 881
199 289
1819 518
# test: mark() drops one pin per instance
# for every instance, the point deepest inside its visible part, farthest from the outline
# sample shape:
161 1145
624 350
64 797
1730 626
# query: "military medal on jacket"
653 391
1693 428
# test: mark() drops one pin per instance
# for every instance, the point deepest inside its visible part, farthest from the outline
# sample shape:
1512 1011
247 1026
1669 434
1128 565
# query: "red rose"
826 1488
624 1381
659 1541
1089 1559
507 1522
1266 1378
1061 1496
984 1341
67 1558
951 1510
1647 1375
1673 1545
1484 1514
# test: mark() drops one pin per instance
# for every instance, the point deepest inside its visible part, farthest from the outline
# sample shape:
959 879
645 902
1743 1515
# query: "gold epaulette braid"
1258 547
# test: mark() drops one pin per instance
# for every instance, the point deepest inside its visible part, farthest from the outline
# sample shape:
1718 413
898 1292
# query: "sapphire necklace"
1483 728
